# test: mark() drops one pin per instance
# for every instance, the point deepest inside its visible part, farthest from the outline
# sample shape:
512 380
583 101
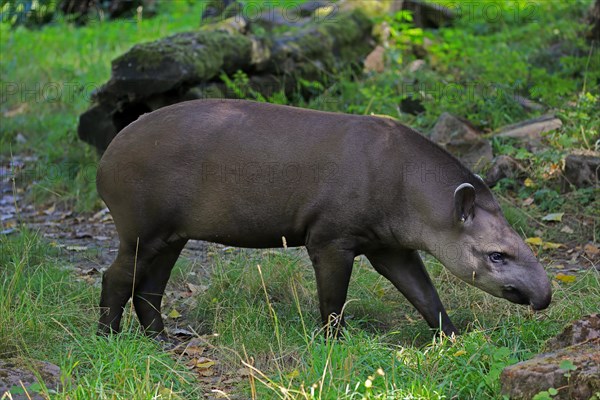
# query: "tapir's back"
226 168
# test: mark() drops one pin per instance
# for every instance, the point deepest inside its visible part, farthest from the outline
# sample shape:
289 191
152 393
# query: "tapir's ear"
464 201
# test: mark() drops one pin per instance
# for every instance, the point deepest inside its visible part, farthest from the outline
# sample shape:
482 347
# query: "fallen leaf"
20 109
100 214
550 245
195 289
591 250
459 353
553 217
528 201
536 241
194 351
565 278
206 372
201 363
243 371
50 210
567 229
528 182
174 314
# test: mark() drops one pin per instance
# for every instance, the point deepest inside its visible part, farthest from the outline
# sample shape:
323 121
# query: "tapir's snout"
538 297
542 301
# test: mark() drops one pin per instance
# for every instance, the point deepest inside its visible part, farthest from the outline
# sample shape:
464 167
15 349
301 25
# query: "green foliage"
49 93
546 394
27 12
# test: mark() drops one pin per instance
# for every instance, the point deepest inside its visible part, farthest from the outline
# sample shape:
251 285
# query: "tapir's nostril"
511 293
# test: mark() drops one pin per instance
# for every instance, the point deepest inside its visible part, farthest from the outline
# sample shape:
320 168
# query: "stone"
416 66
13 371
582 169
525 379
503 166
531 129
463 140
450 127
582 330
375 60
572 365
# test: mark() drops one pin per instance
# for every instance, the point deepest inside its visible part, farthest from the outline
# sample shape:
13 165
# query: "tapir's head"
486 252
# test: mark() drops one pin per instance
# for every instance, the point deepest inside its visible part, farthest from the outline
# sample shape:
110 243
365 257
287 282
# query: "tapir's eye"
496 257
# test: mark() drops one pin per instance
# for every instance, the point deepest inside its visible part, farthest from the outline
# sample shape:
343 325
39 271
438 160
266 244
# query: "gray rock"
582 354
531 129
503 167
463 140
582 169
14 371
582 330
450 127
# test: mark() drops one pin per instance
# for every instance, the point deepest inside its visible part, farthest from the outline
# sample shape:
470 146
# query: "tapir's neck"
428 177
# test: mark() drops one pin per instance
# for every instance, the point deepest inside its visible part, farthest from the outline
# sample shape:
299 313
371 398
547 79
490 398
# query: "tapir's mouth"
511 293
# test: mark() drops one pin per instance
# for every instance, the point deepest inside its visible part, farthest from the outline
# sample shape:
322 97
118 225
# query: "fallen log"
188 66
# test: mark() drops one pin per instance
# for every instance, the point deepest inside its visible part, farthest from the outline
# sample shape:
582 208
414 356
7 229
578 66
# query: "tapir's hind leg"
117 286
333 267
149 263
149 291
406 271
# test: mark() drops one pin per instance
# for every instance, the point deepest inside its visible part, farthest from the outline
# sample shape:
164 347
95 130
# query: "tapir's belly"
245 203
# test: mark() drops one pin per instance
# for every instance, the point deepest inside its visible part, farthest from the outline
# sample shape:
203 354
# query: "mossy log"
188 65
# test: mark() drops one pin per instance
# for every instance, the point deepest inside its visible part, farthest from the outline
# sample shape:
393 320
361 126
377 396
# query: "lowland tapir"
255 175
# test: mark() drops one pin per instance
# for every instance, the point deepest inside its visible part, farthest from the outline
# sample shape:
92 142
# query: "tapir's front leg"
333 267
406 271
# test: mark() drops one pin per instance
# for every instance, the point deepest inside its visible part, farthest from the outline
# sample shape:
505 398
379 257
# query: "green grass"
274 329
267 320
46 314
277 326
